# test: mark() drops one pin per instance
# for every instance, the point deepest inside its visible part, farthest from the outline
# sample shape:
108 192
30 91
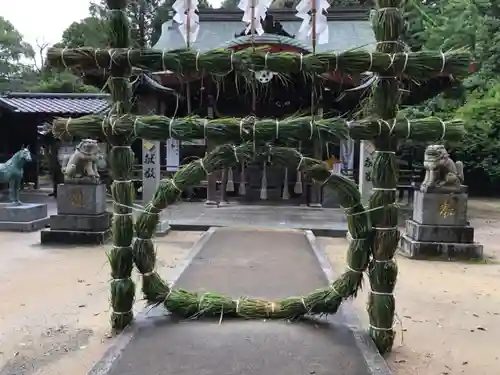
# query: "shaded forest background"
437 25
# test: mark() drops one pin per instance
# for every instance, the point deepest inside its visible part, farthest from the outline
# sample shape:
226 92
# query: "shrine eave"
223 29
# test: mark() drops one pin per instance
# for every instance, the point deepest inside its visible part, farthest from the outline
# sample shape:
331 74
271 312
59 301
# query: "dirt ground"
54 310
449 312
54 305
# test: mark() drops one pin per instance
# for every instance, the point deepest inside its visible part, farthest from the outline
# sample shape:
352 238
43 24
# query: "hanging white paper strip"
184 9
260 11
305 30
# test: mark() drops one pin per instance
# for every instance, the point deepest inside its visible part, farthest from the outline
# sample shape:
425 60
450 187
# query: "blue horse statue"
12 171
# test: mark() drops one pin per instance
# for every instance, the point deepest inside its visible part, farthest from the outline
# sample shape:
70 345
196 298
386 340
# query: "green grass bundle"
194 305
388 26
121 258
386 95
122 301
221 62
239 130
381 302
388 23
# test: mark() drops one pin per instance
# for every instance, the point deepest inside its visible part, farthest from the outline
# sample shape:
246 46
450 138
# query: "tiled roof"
55 103
347 30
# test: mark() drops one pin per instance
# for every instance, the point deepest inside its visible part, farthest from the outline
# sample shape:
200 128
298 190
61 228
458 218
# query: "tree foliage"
61 82
475 26
91 31
14 51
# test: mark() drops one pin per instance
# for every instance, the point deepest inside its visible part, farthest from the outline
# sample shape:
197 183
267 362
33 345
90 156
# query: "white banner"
173 155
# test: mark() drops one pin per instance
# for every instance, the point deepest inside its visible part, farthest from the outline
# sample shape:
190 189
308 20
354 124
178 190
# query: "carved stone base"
85 180
82 223
27 217
414 249
330 198
440 209
162 228
74 199
315 205
439 233
69 237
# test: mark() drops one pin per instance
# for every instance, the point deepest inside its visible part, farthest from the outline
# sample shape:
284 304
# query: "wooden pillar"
315 200
223 186
347 156
316 195
212 177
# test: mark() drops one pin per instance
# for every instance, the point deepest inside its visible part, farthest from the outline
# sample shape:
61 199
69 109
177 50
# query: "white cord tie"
406 62
443 62
443 124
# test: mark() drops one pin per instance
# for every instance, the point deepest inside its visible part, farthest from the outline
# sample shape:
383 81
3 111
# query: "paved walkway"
196 216
238 262
330 222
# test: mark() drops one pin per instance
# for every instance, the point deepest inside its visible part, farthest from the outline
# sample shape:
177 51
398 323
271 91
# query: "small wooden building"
21 114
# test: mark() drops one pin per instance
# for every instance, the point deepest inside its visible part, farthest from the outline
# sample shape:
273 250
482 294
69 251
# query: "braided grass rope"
222 61
388 26
189 304
237 130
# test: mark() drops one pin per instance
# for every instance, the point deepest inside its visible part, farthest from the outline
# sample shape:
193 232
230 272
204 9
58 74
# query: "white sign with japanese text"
173 155
150 169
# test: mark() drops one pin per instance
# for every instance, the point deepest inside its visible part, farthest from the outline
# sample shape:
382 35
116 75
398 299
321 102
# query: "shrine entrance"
263 94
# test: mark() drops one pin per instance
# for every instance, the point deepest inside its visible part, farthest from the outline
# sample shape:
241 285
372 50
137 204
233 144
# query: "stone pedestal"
28 217
81 217
439 228
330 198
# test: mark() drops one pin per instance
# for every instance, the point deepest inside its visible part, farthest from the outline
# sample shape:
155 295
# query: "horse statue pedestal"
81 217
26 217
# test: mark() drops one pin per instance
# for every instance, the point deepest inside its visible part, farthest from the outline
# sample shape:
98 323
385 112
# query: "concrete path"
328 222
196 216
238 262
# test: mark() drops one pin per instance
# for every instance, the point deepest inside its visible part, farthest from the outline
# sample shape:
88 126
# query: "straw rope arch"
375 234
191 304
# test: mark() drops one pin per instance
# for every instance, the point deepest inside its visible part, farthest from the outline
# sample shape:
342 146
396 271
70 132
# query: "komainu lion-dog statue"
81 166
441 173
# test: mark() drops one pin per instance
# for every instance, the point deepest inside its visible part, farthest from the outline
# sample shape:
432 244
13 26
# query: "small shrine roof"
348 28
81 104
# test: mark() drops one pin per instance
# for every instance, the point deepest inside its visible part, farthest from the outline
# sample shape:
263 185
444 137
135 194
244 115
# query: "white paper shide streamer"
259 14
188 19
306 28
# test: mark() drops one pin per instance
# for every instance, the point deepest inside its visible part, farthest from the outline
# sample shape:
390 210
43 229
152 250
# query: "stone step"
439 233
69 237
86 223
413 249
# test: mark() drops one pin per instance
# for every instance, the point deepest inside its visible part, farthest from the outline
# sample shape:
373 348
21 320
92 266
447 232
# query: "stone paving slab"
327 222
242 262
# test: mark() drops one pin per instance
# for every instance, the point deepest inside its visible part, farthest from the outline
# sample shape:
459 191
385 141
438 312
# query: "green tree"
481 153
13 51
90 31
52 81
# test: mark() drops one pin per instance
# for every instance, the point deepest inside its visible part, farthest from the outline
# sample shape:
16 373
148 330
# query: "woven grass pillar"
121 160
388 25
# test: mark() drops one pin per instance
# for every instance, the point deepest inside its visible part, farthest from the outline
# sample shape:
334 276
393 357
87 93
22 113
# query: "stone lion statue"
81 166
441 173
